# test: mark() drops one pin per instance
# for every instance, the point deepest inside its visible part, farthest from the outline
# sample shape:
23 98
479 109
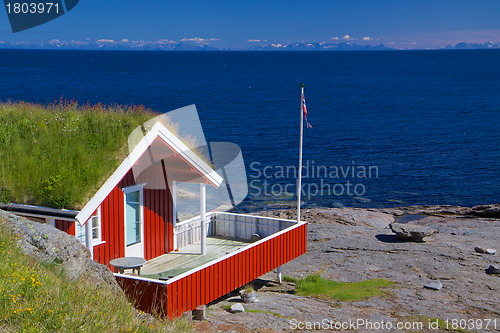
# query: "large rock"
493 270
411 232
50 245
238 307
434 285
491 211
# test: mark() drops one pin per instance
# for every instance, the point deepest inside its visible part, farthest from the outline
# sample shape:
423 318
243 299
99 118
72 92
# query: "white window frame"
126 190
80 230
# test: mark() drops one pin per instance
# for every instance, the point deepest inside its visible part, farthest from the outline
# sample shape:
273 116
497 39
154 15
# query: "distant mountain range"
469 46
164 45
176 46
317 47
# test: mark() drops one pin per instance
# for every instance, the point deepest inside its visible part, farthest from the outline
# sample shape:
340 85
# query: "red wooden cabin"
132 215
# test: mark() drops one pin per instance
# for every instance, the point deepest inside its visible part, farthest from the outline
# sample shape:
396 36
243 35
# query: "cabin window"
95 221
133 217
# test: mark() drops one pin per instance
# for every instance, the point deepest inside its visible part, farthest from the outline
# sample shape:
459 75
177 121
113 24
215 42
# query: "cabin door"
134 230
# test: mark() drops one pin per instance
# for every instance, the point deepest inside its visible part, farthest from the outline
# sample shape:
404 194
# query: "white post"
203 213
88 237
173 190
299 182
174 200
279 275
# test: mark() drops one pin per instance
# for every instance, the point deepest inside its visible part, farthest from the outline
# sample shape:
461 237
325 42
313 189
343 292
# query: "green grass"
264 311
315 285
59 155
38 298
248 288
227 307
287 278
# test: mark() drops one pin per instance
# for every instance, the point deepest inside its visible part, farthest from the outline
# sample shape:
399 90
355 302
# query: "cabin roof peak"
160 148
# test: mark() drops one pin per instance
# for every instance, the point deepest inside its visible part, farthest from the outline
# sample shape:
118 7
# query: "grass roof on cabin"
59 155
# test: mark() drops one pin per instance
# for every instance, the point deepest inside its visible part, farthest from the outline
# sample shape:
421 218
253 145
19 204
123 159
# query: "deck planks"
177 262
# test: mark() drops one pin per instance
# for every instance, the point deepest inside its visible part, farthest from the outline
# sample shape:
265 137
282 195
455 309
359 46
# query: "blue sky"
221 23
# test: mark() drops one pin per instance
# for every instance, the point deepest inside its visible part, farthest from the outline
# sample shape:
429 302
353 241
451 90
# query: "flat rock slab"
353 250
347 216
487 210
411 232
434 285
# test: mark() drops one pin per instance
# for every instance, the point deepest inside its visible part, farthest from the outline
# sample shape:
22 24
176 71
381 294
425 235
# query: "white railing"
241 226
189 231
237 226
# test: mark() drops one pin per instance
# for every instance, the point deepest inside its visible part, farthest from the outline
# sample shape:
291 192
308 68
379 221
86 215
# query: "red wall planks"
157 210
66 226
214 281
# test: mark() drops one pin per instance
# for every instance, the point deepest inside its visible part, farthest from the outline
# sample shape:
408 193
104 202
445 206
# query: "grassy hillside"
38 298
58 155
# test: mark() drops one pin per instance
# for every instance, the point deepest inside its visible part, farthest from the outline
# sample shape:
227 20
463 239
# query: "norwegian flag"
305 110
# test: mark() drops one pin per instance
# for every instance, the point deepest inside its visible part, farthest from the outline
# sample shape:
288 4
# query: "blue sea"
416 127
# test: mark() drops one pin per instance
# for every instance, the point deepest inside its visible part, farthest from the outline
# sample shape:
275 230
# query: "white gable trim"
180 148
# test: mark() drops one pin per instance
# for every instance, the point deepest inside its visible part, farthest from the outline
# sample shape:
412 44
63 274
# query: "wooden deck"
177 262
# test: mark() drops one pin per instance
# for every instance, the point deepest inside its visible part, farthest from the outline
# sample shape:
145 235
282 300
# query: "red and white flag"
305 110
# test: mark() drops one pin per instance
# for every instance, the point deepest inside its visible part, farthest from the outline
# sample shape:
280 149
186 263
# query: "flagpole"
299 182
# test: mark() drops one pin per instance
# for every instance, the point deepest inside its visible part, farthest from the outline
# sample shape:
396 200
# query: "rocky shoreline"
448 275
443 277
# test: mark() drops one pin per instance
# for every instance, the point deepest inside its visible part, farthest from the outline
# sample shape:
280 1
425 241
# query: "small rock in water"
398 212
490 251
479 249
224 207
434 285
238 307
493 270
411 232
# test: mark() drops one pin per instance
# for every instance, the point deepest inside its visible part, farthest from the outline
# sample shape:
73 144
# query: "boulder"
479 249
493 270
411 232
50 245
483 250
238 307
434 285
491 211
398 212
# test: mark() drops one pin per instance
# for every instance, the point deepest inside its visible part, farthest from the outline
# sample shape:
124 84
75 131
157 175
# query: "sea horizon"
426 121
